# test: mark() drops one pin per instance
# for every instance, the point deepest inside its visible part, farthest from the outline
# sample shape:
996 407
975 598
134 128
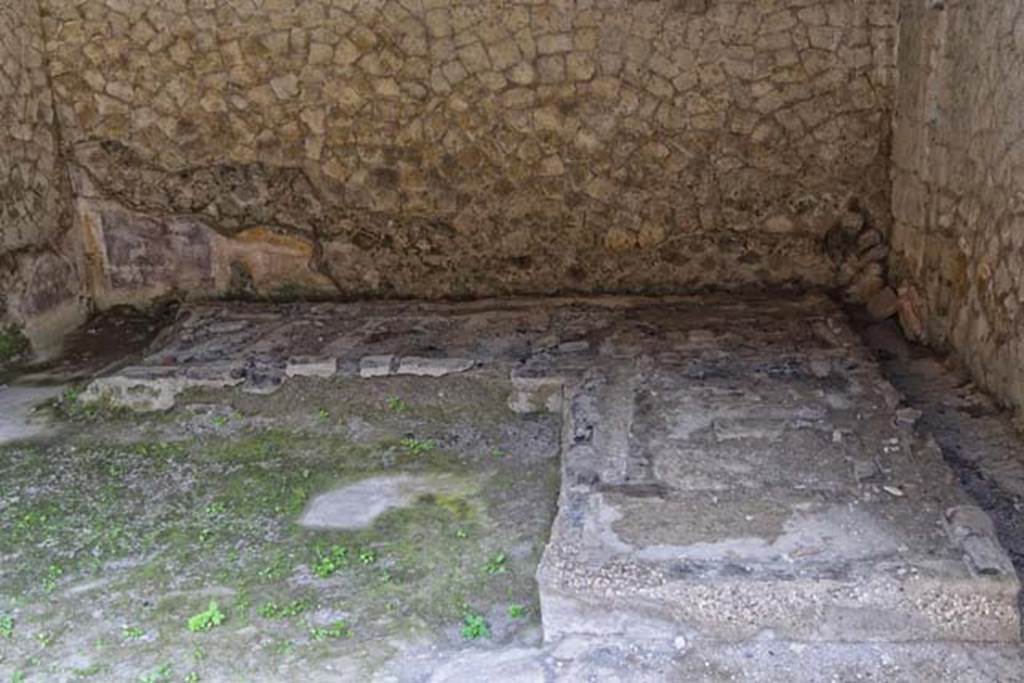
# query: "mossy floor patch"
127 530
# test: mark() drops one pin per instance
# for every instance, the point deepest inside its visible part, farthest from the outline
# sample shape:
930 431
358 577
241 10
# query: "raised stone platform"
733 470
749 473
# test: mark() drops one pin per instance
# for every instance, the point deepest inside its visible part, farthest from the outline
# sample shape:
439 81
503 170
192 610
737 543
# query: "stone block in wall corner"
865 284
910 313
884 304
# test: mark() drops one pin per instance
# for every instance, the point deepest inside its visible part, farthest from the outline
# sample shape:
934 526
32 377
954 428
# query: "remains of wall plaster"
39 274
439 148
958 195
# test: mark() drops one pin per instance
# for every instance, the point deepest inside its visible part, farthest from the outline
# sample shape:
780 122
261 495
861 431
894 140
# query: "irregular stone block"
376 366
311 366
149 388
536 394
432 367
884 304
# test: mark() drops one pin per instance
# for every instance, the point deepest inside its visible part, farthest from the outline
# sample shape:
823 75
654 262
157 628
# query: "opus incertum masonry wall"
439 148
40 264
467 148
958 196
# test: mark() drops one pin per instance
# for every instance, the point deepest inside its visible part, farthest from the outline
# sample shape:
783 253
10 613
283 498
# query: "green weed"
284 648
53 574
329 561
278 569
6 626
516 611
496 564
207 619
272 610
396 405
161 674
418 446
337 629
474 627
215 509
89 671
132 632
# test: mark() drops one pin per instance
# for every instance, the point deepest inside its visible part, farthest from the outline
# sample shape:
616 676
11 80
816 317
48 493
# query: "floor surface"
622 488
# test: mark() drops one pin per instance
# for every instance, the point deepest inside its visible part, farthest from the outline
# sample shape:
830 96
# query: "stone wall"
450 148
40 282
958 195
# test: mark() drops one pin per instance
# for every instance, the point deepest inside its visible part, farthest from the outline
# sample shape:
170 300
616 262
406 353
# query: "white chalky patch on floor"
357 505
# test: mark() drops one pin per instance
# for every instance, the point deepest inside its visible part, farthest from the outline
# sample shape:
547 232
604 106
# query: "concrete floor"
744 495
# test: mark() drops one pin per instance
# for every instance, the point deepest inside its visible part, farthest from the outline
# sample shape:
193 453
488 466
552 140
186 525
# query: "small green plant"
461 534
516 611
6 626
329 561
474 627
337 629
90 671
192 677
18 677
132 632
215 509
418 446
53 574
277 569
496 564
159 675
322 415
207 619
220 421
498 453
396 405
367 556
45 638
272 610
